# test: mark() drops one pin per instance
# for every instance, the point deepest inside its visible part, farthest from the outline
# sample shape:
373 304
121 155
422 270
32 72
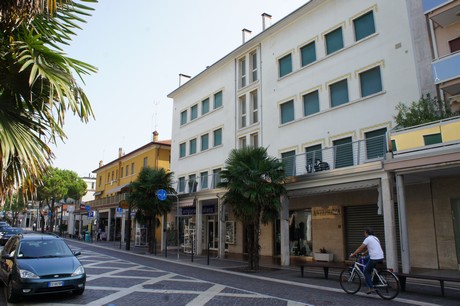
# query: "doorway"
213 233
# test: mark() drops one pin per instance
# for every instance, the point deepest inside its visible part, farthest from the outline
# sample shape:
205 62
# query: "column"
405 255
199 228
222 227
284 230
391 250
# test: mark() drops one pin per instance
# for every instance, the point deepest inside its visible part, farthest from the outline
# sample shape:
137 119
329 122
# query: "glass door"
213 233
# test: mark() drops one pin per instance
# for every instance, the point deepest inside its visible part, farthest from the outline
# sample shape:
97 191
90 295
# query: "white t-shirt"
373 245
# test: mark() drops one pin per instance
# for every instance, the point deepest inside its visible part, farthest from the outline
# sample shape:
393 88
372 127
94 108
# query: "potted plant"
323 255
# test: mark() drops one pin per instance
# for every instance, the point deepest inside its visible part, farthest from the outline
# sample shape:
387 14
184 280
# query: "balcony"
107 201
446 69
340 156
442 12
197 184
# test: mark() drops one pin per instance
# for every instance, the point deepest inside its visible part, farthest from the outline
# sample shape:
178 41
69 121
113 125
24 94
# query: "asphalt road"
117 277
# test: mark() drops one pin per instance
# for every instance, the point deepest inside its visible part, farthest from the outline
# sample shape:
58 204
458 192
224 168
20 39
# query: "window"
218 99
432 139
364 25
254 107
253 57
204 142
375 143
204 180
205 106
242 110
242 142
126 170
194 112
454 45
181 184
217 137
311 103
285 65
108 178
314 154
132 168
121 172
192 147
192 183
254 140
146 163
287 111
339 93
182 150
371 81
242 66
289 162
308 53
215 177
100 180
183 117
343 149
334 41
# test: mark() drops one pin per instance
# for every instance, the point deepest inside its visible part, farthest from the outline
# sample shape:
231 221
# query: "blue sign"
88 208
91 214
161 194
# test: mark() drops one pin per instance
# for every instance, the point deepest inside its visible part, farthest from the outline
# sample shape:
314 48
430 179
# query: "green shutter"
311 103
339 93
376 143
218 100
287 112
343 152
182 150
183 117
193 146
218 137
364 25
432 139
289 162
308 54
371 81
204 106
285 65
334 41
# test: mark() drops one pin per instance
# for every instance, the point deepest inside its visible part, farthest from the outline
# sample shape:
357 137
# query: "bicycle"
386 283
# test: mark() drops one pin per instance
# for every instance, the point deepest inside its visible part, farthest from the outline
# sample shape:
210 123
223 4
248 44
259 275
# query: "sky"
140 48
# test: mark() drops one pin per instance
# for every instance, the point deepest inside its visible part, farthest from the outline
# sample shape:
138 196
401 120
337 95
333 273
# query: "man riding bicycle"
375 251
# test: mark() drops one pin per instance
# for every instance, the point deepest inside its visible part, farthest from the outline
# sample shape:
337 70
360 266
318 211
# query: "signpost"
162 195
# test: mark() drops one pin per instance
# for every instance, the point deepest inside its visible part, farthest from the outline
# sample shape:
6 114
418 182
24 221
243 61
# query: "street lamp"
161 195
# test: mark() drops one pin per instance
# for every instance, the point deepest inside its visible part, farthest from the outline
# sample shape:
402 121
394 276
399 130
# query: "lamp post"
161 195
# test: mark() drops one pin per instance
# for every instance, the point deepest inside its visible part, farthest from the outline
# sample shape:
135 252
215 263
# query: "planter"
324 256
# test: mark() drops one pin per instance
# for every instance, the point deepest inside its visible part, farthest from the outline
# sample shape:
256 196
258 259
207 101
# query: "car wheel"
79 291
11 295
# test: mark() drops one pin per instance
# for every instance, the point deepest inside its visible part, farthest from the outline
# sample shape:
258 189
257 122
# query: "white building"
319 89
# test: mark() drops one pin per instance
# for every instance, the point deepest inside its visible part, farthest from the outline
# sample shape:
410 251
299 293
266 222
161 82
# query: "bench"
441 278
322 264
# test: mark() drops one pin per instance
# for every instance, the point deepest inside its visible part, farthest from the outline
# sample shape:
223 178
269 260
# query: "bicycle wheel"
350 281
390 287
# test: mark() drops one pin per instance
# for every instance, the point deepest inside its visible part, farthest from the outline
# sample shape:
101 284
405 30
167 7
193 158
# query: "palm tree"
37 86
143 197
254 183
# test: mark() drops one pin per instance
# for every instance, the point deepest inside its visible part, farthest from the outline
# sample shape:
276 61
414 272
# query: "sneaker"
371 290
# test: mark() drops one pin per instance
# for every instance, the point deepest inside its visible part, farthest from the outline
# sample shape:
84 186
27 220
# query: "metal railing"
107 201
340 156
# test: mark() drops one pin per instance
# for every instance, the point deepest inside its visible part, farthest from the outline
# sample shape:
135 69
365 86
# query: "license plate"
56 284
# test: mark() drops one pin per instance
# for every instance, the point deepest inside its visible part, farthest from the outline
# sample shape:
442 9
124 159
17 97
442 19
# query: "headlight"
27 274
79 271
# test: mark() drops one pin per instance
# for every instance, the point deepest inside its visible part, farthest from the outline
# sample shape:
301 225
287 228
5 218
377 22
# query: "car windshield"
43 248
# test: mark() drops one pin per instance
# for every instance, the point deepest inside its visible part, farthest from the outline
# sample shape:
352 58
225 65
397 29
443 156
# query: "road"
118 278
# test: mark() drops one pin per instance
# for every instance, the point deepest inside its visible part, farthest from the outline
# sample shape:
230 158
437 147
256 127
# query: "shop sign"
326 212
191 210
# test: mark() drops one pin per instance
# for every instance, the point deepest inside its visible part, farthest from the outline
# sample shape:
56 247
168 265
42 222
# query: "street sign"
91 214
119 212
88 208
161 194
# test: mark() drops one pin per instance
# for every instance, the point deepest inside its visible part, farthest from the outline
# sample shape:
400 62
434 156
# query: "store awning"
117 189
360 185
98 193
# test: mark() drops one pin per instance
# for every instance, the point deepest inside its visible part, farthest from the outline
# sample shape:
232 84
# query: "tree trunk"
150 236
256 244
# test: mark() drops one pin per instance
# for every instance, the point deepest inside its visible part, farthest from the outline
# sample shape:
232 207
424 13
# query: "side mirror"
7 256
76 253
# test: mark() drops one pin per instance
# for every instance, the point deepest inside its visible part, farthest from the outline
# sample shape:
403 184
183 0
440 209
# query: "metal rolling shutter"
359 217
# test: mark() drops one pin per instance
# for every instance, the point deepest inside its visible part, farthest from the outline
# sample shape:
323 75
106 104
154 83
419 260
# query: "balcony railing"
446 68
107 201
340 156
345 155
429 5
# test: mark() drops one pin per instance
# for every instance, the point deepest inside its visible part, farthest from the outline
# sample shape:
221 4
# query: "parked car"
8 232
36 263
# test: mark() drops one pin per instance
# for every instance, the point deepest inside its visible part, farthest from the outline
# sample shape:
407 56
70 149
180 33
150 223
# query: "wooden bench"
322 264
441 278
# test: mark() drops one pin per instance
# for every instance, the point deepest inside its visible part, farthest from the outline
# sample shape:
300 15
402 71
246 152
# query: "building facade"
319 89
109 209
